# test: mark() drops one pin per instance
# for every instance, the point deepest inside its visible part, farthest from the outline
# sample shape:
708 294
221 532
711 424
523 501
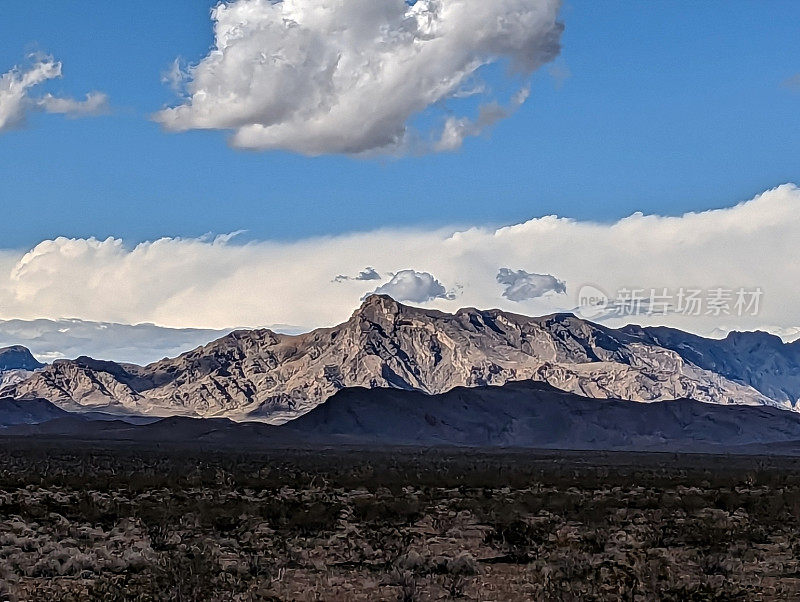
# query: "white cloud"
96 103
523 286
347 76
219 283
457 129
412 286
14 87
16 102
175 77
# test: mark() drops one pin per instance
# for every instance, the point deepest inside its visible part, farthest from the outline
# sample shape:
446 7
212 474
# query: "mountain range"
274 378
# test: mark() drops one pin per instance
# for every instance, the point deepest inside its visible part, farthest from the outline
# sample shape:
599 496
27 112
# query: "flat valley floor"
82 522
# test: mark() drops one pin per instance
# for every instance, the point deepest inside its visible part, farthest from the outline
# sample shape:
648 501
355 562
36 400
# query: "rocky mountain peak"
379 303
378 309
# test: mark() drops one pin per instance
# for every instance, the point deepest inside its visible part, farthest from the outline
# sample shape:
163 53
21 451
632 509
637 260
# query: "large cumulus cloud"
347 76
413 286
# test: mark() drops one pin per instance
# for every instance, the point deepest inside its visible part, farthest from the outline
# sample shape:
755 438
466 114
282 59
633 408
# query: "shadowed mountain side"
213 432
519 414
16 412
32 411
16 365
532 414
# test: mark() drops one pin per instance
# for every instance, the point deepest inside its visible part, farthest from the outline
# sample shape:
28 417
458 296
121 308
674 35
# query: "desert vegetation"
135 523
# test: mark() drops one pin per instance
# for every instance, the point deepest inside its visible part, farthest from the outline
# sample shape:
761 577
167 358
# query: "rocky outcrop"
262 375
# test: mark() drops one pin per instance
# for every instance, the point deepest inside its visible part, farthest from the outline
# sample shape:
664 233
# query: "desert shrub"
727 500
518 538
397 510
313 518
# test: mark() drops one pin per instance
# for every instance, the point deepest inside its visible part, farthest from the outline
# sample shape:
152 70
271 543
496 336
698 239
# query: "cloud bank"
16 101
347 76
219 283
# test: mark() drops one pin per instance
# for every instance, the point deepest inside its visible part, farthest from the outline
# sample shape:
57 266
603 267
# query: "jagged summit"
378 308
259 374
378 300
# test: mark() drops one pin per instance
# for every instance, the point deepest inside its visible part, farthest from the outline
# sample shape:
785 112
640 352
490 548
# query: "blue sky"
668 107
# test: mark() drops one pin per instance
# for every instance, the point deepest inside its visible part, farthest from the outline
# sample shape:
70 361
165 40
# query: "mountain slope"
758 359
29 411
273 377
531 414
524 414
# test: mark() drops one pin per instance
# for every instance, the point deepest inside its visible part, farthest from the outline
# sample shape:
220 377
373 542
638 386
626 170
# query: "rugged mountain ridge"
759 359
262 375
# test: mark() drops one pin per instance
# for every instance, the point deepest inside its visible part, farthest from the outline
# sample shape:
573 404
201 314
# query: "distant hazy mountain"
788 334
12 377
263 375
142 343
516 415
16 364
18 357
